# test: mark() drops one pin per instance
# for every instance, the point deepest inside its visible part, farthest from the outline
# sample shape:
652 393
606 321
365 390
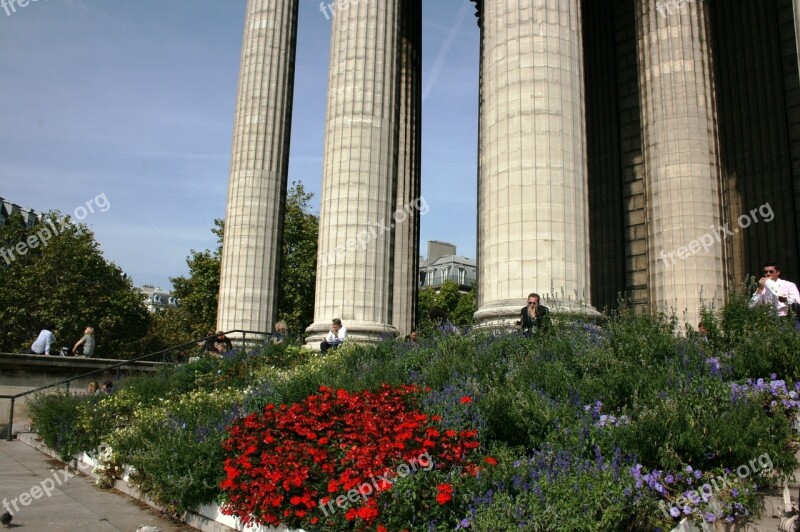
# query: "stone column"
685 241
796 7
356 237
532 184
259 165
409 204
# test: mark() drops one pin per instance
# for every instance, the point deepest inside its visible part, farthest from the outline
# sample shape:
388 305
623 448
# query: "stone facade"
645 149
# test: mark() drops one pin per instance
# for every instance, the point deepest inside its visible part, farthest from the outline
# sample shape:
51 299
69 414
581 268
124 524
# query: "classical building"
443 264
641 147
29 216
156 298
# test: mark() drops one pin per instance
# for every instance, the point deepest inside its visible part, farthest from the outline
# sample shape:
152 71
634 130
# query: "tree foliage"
198 292
298 261
54 275
459 306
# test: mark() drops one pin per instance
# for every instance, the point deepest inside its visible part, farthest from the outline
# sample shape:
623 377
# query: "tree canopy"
298 261
53 274
459 306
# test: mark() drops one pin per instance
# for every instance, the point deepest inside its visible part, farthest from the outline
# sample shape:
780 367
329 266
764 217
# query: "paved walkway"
52 499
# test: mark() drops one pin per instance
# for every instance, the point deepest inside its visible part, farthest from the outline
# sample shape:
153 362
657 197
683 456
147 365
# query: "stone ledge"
58 364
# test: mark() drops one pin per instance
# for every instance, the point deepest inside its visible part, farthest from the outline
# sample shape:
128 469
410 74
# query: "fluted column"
796 7
409 204
356 239
681 158
259 166
532 184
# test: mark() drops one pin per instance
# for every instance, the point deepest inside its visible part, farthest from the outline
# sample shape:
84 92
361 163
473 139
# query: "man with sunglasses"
534 317
774 291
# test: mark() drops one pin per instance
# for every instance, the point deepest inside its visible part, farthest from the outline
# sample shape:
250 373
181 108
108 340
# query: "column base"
504 314
369 332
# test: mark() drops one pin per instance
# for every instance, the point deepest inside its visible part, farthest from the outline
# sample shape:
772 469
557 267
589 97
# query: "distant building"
443 264
7 208
157 299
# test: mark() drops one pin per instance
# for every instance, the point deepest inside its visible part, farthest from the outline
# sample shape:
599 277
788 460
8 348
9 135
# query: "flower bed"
582 428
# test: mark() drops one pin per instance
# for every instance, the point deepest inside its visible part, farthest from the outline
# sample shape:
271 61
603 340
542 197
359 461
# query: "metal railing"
162 353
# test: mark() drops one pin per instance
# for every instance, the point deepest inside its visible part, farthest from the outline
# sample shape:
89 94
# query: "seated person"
222 344
92 388
43 343
280 334
208 343
534 317
335 337
87 342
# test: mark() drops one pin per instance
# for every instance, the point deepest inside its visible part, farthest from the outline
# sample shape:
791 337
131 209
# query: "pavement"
50 498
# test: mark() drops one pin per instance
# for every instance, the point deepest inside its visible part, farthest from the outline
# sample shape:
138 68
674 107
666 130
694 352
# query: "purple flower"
674 512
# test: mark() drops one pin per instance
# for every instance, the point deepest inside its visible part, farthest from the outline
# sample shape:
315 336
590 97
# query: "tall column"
532 184
409 204
796 8
681 158
356 236
259 165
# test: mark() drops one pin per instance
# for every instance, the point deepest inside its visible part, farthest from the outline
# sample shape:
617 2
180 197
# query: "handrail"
163 353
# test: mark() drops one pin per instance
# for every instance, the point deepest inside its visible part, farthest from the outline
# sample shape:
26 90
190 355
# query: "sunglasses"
770 271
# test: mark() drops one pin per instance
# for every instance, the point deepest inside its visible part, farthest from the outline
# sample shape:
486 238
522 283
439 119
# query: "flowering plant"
288 460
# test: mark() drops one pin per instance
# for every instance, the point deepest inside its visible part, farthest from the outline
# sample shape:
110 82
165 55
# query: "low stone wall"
22 373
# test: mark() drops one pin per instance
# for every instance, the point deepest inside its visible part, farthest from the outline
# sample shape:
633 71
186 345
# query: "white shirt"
336 340
42 344
773 290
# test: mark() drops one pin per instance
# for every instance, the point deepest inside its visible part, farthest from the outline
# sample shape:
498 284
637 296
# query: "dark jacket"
540 322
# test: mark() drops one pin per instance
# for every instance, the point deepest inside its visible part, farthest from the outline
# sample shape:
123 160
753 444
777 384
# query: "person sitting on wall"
335 337
280 334
222 344
534 317
85 346
772 290
42 344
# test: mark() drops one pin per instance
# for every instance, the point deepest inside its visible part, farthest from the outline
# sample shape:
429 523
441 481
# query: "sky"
120 114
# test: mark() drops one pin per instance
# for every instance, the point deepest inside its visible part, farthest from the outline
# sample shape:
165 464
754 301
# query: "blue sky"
134 100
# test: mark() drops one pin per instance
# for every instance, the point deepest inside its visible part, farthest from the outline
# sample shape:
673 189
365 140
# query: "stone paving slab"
74 502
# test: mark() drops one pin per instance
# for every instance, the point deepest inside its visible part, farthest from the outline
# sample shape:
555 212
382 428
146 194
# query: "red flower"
329 443
466 399
491 461
445 494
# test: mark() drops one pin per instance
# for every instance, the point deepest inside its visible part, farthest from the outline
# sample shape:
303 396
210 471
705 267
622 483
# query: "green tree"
199 292
459 306
54 274
298 261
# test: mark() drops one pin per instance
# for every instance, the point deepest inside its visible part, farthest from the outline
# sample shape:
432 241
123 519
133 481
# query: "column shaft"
259 166
356 240
532 186
409 203
681 158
